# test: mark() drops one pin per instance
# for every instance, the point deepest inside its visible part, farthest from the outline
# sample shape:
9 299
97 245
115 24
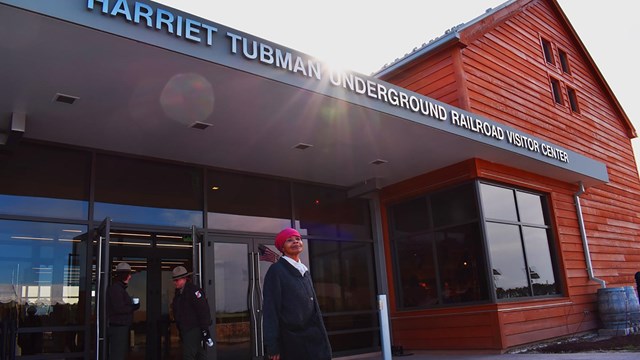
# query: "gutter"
583 236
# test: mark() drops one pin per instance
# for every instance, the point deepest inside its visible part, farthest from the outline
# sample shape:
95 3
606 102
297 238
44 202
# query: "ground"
586 343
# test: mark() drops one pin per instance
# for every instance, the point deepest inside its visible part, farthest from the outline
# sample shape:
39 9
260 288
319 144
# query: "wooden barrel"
633 305
612 307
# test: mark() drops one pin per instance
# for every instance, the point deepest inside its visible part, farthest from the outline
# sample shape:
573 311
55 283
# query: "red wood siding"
501 73
434 75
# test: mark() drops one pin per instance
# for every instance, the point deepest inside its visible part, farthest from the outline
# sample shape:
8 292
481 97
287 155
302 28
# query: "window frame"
547 51
572 95
564 61
551 239
556 91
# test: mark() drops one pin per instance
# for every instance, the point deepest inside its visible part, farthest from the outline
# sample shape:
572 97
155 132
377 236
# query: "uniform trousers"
192 345
118 342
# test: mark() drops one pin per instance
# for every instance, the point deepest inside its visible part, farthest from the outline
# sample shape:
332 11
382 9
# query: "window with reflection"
147 192
42 273
250 203
46 181
519 241
344 279
438 251
327 212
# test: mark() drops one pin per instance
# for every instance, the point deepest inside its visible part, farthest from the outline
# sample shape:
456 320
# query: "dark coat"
190 308
293 325
120 308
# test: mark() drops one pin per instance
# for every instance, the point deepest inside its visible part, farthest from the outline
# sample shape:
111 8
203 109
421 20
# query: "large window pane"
416 266
410 216
498 203
530 208
146 192
250 203
439 257
505 248
45 181
454 206
322 211
462 266
536 244
343 274
42 273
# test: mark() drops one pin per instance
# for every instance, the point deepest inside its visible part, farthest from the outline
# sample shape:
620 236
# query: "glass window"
530 208
461 265
520 251
344 279
498 203
548 52
45 181
536 244
343 275
454 206
555 88
573 100
146 192
564 61
42 276
439 257
416 272
508 267
410 216
327 212
250 203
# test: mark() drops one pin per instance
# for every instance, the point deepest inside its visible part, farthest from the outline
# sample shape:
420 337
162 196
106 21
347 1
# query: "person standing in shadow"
120 308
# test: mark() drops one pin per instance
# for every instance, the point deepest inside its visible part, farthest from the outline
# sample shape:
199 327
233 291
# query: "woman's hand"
274 357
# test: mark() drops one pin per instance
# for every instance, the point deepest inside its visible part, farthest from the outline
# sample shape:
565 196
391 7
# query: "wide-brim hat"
123 267
179 272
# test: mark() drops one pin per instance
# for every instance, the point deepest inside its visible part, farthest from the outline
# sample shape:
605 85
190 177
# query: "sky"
364 35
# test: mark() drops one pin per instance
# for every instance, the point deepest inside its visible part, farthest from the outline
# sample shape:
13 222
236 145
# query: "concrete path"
419 355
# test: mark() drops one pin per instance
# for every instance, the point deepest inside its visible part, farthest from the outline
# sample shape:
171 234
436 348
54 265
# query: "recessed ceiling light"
200 125
302 146
378 162
65 99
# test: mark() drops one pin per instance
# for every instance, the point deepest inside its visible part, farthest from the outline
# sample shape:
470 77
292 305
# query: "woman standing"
293 326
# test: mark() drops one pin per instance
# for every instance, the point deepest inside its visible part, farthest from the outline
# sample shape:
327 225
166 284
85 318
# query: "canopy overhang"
195 96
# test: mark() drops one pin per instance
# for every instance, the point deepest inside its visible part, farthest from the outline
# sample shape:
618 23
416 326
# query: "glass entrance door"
240 266
152 256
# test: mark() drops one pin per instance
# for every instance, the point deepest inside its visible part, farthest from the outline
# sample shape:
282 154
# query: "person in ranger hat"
191 313
120 308
293 326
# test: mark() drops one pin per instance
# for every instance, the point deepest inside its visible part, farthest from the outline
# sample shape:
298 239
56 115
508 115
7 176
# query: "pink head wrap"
283 236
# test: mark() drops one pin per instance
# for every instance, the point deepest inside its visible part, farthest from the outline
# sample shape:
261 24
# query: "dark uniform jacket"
293 325
190 308
119 305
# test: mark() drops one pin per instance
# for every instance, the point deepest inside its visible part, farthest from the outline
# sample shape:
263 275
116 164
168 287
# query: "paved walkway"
421 355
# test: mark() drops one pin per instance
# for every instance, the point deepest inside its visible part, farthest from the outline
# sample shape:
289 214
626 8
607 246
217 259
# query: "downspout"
583 236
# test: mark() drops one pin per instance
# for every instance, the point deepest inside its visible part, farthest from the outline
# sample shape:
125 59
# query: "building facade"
485 182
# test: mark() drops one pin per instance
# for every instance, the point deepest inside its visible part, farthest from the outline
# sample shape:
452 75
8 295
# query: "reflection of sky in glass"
498 202
506 256
41 206
232 278
530 208
235 222
537 247
147 215
38 261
